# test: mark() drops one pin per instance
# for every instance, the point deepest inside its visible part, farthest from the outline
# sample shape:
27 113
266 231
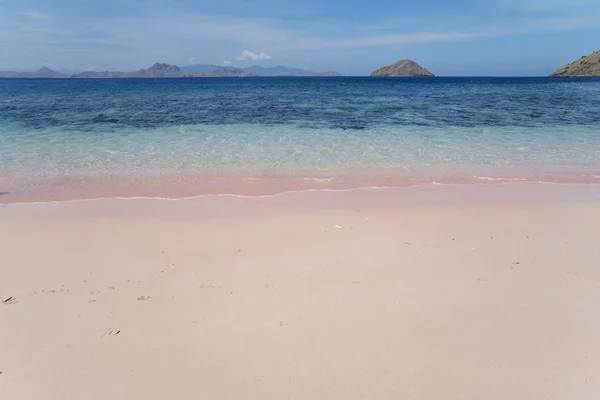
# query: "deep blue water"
128 126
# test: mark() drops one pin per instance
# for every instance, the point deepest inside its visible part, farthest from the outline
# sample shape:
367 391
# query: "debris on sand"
9 300
111 332
144 297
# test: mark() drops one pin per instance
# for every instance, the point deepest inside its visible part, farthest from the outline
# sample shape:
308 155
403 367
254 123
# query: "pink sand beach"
458 292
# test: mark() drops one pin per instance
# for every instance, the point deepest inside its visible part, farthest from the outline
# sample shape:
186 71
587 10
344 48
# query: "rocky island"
402 68
586 66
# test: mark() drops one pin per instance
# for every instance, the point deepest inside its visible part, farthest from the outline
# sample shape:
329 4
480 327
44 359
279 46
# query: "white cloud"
226 63
248 55
37 15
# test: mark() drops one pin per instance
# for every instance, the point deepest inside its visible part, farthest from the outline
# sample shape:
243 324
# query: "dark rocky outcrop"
586 66
402 68
159 70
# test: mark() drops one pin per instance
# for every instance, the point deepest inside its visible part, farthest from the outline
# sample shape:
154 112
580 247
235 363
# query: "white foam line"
487 178
244 196
321 180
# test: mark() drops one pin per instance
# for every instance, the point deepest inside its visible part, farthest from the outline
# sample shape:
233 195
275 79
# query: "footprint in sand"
209 286
9 300
111 332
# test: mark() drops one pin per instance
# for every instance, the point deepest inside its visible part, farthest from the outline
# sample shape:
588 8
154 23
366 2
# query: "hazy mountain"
275 71
46 72
162 70
100 74
402 68
326 73
198 68
285 71
69 71
43 72
586 66
222 72
158 70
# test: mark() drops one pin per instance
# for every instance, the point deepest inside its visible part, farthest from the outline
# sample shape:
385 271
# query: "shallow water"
295 133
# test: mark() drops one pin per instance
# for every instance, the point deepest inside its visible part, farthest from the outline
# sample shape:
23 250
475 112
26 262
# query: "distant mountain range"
161 70
255 70
40 73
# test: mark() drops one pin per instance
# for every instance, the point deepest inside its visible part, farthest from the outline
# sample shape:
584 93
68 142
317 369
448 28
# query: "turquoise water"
60 129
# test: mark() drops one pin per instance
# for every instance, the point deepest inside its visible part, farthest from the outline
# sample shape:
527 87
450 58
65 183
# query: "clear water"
62 129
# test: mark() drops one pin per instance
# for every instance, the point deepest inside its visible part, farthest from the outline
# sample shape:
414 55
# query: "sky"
354 37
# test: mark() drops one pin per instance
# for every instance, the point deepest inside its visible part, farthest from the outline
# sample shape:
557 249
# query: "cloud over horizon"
248 55
36 15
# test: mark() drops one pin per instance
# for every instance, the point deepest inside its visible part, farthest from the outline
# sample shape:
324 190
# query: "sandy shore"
121 299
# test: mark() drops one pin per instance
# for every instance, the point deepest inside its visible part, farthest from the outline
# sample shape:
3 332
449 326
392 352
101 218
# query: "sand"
130 299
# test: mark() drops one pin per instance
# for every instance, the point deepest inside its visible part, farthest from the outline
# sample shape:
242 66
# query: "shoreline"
257 187
441 196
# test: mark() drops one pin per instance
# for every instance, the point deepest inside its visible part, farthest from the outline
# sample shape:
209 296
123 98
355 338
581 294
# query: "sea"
66 139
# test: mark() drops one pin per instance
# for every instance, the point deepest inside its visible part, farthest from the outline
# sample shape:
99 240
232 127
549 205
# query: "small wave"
487 178
324 180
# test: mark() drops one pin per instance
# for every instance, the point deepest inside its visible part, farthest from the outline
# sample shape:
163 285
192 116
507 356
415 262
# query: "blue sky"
462 37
